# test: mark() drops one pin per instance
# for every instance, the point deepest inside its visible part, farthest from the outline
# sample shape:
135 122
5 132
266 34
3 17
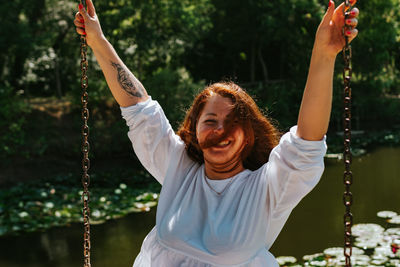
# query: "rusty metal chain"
85 152
347 156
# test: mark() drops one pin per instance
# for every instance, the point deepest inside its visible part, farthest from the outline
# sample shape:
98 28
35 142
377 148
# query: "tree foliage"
375 66
176 46
258 40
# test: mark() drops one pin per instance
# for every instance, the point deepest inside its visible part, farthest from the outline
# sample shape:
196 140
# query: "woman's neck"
222 171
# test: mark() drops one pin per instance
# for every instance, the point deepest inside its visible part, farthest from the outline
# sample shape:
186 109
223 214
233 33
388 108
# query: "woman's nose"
219 128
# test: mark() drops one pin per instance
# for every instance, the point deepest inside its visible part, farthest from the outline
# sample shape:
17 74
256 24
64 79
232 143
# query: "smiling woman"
228 186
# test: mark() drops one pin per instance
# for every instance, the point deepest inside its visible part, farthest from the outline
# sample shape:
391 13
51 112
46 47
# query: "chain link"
347 156
85 152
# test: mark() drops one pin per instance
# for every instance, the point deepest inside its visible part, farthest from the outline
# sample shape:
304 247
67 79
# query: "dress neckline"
226 179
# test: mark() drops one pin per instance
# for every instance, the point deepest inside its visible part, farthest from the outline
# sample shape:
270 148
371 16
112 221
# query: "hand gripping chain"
347 156
85 152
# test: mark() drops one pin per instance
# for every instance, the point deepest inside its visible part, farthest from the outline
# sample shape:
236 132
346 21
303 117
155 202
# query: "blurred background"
176 47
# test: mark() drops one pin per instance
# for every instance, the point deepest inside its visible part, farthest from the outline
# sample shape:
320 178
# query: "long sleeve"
295 166
156 145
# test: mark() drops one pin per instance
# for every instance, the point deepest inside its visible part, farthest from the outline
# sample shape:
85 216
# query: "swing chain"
347 156
85 151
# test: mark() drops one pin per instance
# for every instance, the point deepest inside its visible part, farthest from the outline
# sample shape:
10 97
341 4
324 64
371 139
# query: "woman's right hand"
88 24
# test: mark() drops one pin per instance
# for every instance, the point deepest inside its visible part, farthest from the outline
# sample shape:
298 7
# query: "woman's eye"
210 121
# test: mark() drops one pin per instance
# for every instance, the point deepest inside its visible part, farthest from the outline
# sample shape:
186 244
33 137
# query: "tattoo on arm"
130 84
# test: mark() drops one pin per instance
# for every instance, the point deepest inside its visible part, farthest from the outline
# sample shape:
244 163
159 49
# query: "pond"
315 224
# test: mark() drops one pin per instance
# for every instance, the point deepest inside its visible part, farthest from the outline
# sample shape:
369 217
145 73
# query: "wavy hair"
262 136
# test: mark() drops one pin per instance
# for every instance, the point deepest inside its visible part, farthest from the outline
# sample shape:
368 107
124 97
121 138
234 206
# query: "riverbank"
362 142
39 205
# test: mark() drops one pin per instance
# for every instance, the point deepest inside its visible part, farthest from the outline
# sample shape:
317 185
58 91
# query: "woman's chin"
221 155
220 159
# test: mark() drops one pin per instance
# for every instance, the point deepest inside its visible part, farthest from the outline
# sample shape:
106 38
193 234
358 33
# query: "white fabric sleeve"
155 143
295 167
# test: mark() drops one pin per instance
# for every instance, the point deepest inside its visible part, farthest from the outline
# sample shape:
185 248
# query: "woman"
228 187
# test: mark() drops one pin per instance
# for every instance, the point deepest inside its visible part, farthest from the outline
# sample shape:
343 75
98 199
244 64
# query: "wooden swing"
347 156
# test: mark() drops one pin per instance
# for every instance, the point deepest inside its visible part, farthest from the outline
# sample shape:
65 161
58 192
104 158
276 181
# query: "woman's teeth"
223 143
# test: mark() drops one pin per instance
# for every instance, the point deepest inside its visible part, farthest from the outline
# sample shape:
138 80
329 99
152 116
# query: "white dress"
195 227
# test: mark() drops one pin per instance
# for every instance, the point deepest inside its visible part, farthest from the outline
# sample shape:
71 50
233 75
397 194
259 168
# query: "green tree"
375 66
258 40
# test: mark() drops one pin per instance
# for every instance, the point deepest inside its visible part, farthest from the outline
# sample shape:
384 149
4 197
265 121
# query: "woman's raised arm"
125 87
316 105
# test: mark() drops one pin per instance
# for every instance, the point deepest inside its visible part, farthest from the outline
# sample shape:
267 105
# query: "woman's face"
210 125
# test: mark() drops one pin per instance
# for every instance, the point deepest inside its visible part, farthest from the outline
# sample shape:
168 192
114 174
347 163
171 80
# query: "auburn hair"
262 136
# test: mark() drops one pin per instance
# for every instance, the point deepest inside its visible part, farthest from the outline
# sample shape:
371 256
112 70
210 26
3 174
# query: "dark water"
315 224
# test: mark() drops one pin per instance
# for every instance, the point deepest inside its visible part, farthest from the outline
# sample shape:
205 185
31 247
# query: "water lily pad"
132 209
96 213
386 214
393 231
338 251
379 259
395 220
96 222
369 229
316 256
286 259
23 214
49 205
337 156
335 252
117 191
360 260
383 251
138 205
318 263
147 197
151 204
394 262
367 244
117 216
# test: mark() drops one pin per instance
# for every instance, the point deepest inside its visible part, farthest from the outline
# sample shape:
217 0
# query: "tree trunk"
263 65
253 62
56 47
58 80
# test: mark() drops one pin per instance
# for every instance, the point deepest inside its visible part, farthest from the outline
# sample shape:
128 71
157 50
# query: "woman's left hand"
329 38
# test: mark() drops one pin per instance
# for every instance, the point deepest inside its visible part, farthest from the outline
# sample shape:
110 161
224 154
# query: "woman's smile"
223 144
221 147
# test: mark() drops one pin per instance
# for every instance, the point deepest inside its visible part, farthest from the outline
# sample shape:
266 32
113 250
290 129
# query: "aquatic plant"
373 246
41 205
